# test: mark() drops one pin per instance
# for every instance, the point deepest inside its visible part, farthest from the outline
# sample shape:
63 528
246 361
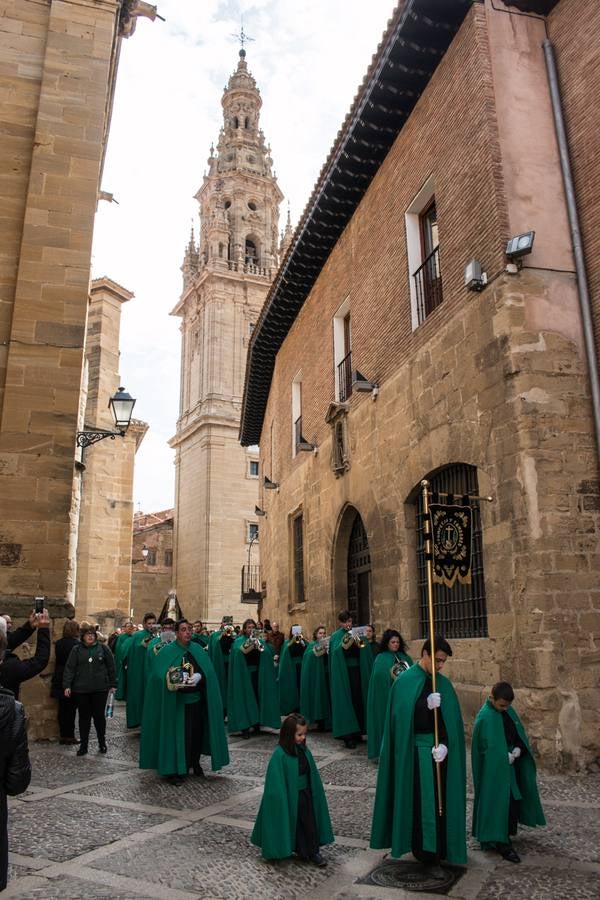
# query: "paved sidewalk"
98 827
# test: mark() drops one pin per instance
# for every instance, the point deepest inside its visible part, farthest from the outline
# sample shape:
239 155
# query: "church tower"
226 277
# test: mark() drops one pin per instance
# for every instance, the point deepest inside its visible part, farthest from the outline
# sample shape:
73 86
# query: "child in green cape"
293 815
504 775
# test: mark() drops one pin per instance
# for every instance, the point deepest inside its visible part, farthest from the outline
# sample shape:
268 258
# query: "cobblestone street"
98 827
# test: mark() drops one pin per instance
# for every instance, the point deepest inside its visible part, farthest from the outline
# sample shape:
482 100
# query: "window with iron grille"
298 546
168 558
460 611
151 558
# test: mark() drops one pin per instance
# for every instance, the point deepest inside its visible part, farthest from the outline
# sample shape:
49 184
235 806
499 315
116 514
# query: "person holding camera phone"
13 670
89 675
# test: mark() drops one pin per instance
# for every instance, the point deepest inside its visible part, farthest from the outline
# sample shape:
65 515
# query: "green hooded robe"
315 702
336 638
121 647
201 639
136 663
289 695
393 810
377 698
343 715
242 709
275 827
494 778
162 744
220 662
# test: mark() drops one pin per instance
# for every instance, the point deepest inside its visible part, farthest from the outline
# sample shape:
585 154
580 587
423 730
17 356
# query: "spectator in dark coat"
15 768
67 706
16 636
89 675
13 671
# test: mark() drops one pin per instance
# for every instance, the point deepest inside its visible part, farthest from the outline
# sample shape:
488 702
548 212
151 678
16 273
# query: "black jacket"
84 677
62 649
14 670
15 768
18 636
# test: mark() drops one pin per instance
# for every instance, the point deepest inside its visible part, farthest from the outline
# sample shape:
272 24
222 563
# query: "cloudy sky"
308 58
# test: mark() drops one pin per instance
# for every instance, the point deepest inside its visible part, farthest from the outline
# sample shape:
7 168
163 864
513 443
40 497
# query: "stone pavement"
97 827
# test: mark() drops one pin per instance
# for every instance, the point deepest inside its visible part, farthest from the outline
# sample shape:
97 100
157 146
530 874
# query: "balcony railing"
344 371
428 285
298 433
251 592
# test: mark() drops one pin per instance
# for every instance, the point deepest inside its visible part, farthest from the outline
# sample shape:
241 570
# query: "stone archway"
352 567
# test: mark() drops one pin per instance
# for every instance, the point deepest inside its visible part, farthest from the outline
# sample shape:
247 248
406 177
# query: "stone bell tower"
226 277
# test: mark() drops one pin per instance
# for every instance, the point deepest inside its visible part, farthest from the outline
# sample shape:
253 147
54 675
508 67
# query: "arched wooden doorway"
359 573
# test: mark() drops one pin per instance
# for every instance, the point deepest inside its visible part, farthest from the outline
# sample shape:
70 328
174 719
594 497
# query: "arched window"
460 611
236 122
247 122
221 248
251 254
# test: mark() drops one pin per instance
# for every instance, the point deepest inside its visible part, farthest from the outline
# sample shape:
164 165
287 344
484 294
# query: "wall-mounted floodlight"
475 277
258 511
270 485
360 383
520 245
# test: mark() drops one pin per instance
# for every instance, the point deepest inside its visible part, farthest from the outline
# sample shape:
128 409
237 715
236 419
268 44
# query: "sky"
308 58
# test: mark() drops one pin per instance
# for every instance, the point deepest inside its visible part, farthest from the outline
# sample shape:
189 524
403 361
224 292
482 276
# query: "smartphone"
39 605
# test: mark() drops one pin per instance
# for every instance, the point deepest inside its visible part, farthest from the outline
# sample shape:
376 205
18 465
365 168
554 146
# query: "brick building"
374 365
151 561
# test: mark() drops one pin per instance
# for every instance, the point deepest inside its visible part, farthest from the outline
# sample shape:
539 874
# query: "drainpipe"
582 280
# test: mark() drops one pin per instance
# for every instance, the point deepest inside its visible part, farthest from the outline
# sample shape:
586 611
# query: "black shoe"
198 770
177 780
246 734
256 729
82 751
318 860
510 854
102 748
349 744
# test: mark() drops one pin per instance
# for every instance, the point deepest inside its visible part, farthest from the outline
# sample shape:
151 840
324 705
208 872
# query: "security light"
520 245
475 277
360 383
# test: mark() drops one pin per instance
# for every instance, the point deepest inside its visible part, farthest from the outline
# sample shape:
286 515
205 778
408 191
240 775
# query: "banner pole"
427 536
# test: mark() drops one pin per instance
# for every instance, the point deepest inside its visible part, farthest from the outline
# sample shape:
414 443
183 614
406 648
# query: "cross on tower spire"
243 38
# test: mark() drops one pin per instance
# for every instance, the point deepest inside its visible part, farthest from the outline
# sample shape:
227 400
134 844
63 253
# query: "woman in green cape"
121 647
252 698
504 774
390 662
293 815
290 668
163 739
315 702
405 813
220 643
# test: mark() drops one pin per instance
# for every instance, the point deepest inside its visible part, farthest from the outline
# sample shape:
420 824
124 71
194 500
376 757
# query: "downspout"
582 280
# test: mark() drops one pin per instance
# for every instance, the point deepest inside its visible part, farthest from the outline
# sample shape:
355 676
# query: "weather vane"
242 37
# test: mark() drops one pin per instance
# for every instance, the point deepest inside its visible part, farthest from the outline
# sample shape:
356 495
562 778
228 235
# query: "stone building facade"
151 561
373 366
225 281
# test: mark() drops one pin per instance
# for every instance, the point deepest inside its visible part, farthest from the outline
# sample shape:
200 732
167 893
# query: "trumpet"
321 647
251 643
298 639
399 666
354 638
227 632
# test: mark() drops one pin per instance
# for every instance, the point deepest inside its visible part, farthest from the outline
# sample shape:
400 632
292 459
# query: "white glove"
185 677
440 752
194 679
434 701
511 758
516 753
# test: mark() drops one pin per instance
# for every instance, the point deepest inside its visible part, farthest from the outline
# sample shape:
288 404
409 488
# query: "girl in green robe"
390 662
290 668
315 702
504 774
293 815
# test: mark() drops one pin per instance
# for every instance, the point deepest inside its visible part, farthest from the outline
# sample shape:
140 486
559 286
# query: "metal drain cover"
413 876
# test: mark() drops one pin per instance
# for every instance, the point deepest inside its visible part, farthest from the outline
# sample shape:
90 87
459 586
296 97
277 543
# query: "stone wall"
151 582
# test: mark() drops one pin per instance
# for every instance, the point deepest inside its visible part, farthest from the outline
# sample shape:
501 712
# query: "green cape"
315 703
336 638
275 827
220 662
136 661
162 744
289 698
377 698
492 778
242 709
343 715
393 809
201 639
121 647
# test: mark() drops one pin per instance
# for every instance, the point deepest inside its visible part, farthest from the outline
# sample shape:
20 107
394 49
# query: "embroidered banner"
451 529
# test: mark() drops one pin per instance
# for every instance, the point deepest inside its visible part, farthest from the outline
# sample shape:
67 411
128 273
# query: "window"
252 533
298 555
251 254
253 468
459 611
296 413
423 248
151 558
169 559
342 352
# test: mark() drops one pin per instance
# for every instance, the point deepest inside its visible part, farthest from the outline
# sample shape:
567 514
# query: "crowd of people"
186 688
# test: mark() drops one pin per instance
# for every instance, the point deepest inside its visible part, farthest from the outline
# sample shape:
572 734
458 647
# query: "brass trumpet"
399 666
252 643
321 647
227 631
298 639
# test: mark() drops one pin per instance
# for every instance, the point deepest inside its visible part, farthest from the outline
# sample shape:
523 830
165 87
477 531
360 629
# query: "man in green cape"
199 634
350 664
220 643
121 646
181 724
391 660
504 774
293 814
315 702
156 645
405 814
344 626
136 663
289 672
252 698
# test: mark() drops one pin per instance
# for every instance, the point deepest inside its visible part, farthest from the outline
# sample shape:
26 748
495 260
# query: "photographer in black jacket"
15 768
13 670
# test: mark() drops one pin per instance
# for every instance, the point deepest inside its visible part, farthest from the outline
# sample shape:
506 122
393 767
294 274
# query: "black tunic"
307 842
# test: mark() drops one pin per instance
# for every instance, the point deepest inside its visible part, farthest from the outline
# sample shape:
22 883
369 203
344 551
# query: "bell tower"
226 277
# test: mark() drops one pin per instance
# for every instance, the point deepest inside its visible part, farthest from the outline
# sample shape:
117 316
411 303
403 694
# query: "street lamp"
121 406
145 552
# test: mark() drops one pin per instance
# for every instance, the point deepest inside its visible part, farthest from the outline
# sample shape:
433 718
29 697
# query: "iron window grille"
344 371
298 545
428 285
